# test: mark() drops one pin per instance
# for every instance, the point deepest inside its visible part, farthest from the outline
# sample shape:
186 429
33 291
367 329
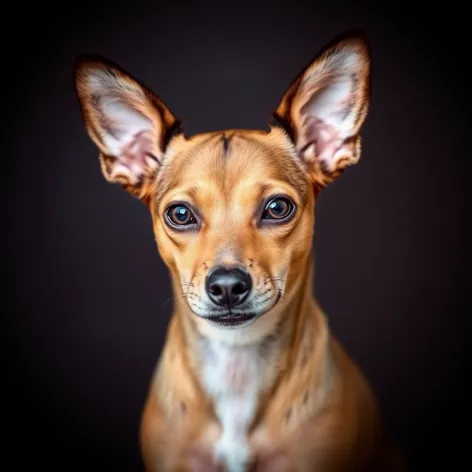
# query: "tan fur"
314 409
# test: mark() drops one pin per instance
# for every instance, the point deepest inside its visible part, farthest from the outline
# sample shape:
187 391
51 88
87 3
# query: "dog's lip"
232 316
236 315
236 319
232 319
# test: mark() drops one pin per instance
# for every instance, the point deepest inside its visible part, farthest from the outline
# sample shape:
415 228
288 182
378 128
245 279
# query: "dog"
250 378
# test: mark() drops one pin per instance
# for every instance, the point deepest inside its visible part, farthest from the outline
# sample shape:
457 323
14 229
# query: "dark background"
86 295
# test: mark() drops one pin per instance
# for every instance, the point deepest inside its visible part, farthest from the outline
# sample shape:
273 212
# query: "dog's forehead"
223 161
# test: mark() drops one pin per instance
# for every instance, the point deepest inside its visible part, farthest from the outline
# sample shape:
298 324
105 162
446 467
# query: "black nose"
228 287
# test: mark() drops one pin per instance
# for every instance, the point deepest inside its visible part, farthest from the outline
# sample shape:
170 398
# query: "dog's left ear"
326 105
129 124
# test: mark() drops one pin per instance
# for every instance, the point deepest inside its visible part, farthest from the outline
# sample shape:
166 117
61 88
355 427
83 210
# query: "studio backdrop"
87 298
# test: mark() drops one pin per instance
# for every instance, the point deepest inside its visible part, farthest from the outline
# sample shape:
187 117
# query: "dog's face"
233 217
233 211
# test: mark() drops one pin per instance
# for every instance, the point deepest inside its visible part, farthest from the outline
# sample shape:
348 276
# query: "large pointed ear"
127 121
325 107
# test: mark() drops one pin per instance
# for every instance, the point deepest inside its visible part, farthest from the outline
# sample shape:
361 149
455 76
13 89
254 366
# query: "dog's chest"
231 378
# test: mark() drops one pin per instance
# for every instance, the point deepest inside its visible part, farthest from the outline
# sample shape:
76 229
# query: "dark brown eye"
180 215
278 209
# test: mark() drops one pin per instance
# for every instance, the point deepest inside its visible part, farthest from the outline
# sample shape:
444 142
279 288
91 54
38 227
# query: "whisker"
183 295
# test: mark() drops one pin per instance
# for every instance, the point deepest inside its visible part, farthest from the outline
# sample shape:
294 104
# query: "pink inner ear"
136 158
326 141
129 137
328 117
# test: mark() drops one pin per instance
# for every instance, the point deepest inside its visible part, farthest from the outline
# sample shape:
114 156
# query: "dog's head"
233 211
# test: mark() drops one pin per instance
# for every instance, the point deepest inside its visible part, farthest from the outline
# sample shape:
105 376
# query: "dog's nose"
228 287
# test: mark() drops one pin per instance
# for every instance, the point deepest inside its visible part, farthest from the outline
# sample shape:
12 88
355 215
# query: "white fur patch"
232 378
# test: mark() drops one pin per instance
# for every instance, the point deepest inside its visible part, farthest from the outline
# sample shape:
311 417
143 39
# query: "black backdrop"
86 295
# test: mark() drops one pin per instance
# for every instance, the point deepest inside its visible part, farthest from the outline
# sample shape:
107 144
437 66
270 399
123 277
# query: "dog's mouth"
232 319
237 320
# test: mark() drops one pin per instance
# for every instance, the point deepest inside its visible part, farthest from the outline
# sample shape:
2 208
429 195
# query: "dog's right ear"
129 124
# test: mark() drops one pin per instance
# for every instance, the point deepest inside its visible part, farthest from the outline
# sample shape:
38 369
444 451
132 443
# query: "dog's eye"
278 209
180 215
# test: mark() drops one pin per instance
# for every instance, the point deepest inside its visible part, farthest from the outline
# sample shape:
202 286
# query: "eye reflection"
180 215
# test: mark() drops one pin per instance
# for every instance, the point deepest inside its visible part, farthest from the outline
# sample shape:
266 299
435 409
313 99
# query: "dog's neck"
233 381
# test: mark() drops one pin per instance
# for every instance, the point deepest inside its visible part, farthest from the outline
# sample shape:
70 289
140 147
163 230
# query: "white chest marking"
231 377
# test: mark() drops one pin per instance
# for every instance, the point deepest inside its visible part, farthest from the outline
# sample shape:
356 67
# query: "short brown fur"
314 409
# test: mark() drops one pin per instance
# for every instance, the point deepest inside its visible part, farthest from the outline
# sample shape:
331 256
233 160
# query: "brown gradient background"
86 295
